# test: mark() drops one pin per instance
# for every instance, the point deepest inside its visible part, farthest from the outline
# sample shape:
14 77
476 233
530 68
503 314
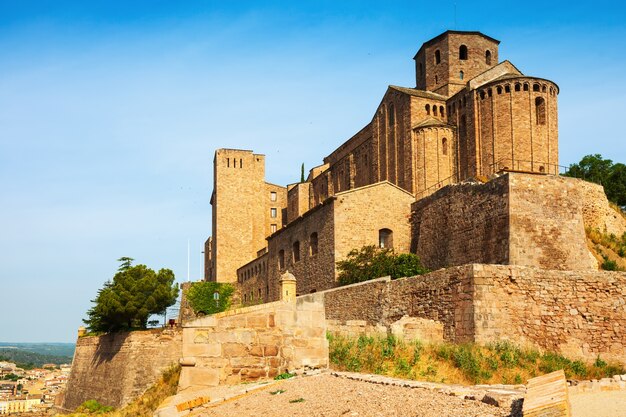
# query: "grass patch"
143 406
278 391
496 363
297 400
284 375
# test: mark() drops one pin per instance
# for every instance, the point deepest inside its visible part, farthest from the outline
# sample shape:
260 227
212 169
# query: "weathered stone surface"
240 346
115 368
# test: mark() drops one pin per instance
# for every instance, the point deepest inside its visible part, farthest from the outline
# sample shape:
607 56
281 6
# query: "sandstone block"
230 350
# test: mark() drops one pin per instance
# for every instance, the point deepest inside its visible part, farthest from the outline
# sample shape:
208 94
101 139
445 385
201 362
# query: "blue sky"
110 113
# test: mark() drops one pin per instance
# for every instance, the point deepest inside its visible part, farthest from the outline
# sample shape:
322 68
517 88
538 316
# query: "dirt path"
599 404
326 395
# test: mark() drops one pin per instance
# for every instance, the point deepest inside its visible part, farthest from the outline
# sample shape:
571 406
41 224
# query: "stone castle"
461 170
469 117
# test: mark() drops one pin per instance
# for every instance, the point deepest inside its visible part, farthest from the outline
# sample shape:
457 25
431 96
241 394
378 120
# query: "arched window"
391 116
296 251
525 86
437 57
434 110
488 57
507 88
543 88
313 244
427 109
281 259
385 239
444 146
463 52
540 110
441 111
535 87
499 89
461 75
518 86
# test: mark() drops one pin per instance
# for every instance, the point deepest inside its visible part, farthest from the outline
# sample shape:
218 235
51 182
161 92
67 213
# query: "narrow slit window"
463 52
540 110
313 244
488 57
296 251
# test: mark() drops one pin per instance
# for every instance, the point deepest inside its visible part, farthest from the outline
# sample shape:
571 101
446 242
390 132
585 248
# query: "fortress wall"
114 369
516 219
579 313
462 224
254 343
442 296
597 213
546 224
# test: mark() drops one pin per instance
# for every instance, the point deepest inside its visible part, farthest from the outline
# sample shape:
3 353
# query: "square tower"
445 63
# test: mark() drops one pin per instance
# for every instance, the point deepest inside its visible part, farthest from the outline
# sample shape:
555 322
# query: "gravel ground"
326 395
599 404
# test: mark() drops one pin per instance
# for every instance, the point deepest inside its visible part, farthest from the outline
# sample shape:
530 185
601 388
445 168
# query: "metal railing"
510 164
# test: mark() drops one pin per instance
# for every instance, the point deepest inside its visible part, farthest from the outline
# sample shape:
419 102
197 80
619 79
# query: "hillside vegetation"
28 359
497 363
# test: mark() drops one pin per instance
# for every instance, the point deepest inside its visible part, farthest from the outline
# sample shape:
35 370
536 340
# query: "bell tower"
445 63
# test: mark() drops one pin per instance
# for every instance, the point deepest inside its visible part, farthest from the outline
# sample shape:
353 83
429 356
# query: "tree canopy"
371 262
134 294
602 171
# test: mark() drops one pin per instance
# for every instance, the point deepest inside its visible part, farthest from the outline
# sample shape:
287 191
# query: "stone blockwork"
470 116
254 343
517 218
597 212
312 244
461 224
114 369
579 313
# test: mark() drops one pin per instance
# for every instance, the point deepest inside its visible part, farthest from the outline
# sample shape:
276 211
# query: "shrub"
371 262
93 407
201 297
609 265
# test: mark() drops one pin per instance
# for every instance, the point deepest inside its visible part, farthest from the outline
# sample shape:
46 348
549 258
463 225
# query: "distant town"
31 391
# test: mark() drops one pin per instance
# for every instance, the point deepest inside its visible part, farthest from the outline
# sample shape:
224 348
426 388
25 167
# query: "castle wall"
318 267
253 343
114 369
360 214
297 200
597 213
578 313
517 219
462 224
547 228
274 196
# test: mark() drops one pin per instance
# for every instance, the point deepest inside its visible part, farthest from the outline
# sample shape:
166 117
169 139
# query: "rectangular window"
273 196
273 212
272 228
